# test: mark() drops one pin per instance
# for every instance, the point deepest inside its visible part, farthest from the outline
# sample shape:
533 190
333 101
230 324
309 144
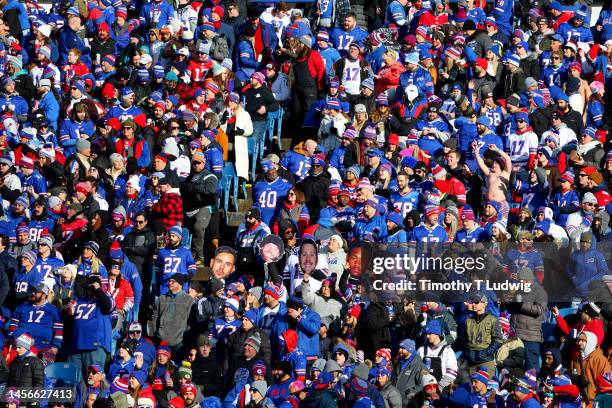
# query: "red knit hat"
384 353
482 63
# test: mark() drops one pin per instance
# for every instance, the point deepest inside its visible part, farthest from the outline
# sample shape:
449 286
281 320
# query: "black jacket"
540 120
8 267
26 372
207 372
255 98
373 329
139 247
236 341
199 190
315 192
573 120
241 363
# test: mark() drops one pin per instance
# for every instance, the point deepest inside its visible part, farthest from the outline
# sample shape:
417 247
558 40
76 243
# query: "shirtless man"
498 176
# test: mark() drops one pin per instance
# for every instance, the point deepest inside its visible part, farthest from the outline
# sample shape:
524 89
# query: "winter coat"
26 371
208 373
528 314
511 354
324 307
373 329
236 341
169 320
392 397
587 369
326 398
407 380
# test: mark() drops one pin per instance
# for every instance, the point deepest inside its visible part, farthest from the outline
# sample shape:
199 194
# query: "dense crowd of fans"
442 130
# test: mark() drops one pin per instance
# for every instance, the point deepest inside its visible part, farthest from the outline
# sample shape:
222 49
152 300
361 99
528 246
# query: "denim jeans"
84 359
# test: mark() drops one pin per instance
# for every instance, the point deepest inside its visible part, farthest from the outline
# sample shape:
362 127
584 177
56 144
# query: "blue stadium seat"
228 185
187 238
62 374
274 125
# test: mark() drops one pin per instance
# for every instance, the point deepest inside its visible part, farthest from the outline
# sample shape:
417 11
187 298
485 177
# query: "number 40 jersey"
269 195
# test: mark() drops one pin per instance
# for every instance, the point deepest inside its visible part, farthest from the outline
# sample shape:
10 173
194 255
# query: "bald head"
310 146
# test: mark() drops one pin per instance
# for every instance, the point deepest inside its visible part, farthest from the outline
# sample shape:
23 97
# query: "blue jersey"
554 76
38 226
298 362
222 329
279 392
171 261
268 197
342 39
330 56
576 34
564 201
45 268
92 328
595 112
421 78
120 368
43 323
395 14
23 282
297 164
424 234
404 203
476 235
516 260
496 115
370 229
503 11
71 131
35 180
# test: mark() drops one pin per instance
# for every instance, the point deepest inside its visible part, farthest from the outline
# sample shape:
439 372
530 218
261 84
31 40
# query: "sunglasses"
590 204
582 175
197 163
556 58
174 127
520 121
140 222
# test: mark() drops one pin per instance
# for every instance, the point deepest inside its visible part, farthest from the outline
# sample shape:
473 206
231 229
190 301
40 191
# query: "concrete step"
244 204
233 219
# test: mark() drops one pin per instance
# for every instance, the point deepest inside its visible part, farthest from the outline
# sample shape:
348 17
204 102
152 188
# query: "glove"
239 131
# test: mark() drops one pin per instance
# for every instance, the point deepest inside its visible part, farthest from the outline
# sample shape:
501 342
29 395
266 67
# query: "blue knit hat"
176 230
521 116
140 376
158 71
251 314
481 375
396 218
142 75
408 345
434 327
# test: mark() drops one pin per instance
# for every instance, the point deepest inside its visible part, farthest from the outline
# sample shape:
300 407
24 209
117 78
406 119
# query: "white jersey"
521 146
351 77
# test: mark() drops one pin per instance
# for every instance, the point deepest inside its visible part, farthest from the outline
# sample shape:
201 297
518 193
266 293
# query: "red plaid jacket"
169 209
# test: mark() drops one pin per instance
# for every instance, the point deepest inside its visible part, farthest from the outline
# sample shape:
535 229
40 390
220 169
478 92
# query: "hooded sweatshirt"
589 365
